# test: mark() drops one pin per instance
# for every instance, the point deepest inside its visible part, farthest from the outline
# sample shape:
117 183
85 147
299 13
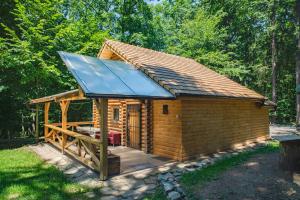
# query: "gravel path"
257 179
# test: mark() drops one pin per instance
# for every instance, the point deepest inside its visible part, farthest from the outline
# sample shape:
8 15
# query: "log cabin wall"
167 128
121 125
211 125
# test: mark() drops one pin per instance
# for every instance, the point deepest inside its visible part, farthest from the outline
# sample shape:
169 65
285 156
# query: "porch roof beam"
69 95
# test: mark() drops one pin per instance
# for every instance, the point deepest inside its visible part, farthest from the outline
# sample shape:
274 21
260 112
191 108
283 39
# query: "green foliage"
232 37
29 61
157 195
23 175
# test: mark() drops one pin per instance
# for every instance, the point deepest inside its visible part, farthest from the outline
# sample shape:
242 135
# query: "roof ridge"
148 49
143 58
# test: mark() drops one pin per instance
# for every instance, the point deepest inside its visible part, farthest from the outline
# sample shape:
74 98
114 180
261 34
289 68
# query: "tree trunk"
273 50
298 65
274 68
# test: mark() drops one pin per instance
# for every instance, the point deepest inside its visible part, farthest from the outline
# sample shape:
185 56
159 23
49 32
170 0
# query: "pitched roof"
181 76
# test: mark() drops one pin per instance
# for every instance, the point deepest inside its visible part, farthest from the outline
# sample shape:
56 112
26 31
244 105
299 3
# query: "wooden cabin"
210 112
160 103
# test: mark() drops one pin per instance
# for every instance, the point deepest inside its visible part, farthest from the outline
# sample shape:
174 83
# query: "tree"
273 50
6 16
297 10
132 23
29 63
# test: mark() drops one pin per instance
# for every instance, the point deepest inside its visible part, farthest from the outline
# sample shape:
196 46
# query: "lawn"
157 195
23 175
193 181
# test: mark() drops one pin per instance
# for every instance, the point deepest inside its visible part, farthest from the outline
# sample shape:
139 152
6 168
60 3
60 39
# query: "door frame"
128 144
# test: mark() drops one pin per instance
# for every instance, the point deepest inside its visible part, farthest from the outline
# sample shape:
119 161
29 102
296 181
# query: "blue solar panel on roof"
109 78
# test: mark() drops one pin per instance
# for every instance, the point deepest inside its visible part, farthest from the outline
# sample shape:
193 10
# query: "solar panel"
110 78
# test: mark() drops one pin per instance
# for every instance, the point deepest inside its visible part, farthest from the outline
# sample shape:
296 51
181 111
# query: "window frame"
114 116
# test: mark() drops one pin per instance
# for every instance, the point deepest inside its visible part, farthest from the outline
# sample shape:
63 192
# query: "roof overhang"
69 95
100 78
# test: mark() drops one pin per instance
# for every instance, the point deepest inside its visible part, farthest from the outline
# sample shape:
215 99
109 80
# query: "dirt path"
257 179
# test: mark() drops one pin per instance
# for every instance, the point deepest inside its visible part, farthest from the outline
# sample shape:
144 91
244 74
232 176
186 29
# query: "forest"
253 42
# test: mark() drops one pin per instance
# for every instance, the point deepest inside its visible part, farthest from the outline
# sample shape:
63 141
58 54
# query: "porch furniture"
114 138
89 131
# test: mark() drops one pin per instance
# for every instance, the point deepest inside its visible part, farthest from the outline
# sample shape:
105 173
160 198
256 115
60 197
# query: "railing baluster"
63 143
79 148
79 153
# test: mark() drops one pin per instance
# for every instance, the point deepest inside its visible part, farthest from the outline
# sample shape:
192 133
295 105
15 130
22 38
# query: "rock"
296 178
171 178
190 169
90 195
206 161
164 177
212 161
138 192
150 180
109 198
177 174
168 187
180 191
200 164
174 195
109 191
216 155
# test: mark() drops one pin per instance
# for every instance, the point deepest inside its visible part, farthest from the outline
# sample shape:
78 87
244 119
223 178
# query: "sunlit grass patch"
23 175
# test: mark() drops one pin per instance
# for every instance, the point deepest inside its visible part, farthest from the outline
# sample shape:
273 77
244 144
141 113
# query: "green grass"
157 195
24 176
194 180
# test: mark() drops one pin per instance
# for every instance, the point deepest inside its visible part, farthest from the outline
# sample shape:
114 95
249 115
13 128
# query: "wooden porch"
100 80
63 135
88 149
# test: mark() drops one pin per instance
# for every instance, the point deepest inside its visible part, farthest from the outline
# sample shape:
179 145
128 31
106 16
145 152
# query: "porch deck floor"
133 160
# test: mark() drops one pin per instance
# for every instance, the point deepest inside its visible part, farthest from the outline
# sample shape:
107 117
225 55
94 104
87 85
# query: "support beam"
102 107
64 106
37 123
46 119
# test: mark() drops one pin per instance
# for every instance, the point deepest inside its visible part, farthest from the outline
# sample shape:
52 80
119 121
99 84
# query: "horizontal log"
75 135
73 123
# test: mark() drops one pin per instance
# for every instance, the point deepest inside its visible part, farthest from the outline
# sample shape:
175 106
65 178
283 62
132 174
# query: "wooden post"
37 122
64 106
46 119
102 107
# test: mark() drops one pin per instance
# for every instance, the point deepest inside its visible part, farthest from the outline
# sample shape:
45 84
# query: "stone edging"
169 180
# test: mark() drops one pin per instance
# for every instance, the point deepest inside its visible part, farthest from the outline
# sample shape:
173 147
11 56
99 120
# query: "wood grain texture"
102 108
167 129
211 125
121 125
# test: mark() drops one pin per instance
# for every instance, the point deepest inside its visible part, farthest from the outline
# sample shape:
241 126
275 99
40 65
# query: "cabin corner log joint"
159 103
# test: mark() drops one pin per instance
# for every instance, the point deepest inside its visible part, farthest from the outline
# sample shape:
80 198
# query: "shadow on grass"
197 178
210 172
24 176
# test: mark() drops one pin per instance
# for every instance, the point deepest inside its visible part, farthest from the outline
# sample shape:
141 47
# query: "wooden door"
134 126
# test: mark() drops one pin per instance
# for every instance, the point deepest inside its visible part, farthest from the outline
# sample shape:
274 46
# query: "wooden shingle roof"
181 76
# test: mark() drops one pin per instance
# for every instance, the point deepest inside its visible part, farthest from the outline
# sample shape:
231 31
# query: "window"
165 109
116 114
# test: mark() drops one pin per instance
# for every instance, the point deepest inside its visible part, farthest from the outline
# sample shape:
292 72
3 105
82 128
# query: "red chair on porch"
114 138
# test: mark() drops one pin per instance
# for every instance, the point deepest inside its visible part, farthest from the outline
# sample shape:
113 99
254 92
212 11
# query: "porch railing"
83 148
